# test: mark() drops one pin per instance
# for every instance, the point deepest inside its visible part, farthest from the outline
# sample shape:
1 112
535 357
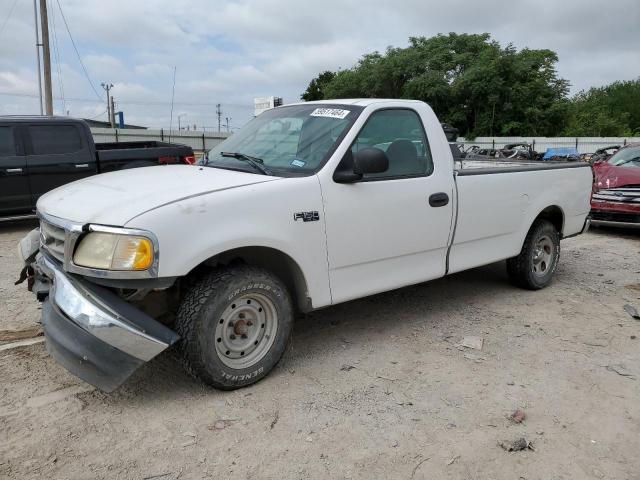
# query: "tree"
609 111
470 81
315 90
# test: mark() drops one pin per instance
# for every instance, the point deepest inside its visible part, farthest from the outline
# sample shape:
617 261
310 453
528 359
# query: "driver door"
383 232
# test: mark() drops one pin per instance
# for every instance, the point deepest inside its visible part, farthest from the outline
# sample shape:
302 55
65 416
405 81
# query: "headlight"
110 251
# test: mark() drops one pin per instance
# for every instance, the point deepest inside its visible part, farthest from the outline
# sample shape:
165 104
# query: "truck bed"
140 150
485 167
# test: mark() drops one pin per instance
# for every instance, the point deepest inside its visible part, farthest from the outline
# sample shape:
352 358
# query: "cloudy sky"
229 52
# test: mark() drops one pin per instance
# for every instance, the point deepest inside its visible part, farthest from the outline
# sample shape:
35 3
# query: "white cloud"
230 51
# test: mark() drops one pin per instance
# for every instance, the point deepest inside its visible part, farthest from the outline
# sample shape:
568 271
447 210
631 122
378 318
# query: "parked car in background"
616 197
309 205
38 154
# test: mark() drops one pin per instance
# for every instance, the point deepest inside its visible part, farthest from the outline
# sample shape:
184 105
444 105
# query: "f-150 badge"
306 216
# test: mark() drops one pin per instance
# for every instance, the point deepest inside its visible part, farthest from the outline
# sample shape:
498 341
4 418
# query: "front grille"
52 239
618 195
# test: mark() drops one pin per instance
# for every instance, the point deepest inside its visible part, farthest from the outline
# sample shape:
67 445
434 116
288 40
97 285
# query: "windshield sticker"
298 163
330 113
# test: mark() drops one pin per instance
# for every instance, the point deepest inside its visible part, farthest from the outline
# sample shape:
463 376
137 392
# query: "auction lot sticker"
330 112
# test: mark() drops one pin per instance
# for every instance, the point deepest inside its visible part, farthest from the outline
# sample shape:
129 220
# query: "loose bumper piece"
95 334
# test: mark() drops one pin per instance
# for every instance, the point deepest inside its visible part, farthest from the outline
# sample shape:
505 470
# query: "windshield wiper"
255 162
633 159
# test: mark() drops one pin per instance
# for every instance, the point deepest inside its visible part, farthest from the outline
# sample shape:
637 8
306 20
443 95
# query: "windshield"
627 157
293 140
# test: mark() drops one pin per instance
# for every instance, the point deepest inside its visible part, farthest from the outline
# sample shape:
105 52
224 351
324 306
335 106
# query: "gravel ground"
375 388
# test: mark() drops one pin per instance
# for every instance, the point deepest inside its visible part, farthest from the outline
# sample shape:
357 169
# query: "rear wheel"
534 267
235 324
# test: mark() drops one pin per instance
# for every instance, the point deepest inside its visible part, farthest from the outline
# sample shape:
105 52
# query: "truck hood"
117 197
611 176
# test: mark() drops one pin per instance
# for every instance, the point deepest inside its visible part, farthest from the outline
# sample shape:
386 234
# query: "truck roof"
363 102
37 118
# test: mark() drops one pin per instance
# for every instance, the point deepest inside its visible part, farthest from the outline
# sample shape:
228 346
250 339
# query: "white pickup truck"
308 206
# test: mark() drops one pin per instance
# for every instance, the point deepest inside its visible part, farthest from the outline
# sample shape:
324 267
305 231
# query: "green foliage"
610 111
482 88
469 80
315 90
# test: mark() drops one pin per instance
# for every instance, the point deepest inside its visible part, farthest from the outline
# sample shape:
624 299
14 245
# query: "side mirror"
370 160
353 168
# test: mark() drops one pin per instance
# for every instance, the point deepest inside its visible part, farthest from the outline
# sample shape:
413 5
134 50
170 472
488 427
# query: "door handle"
438 199
13 170
82 165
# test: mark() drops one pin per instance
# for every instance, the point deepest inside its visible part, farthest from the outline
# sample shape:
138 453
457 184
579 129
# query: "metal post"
204 147
38 45
576 143
107 87
117 140
162 134
112 117
46 58
493 143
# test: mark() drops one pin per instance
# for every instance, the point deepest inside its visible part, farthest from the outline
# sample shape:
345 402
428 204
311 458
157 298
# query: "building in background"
265 103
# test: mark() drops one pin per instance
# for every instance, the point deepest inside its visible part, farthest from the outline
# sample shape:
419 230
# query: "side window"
53 139
400 134
7 142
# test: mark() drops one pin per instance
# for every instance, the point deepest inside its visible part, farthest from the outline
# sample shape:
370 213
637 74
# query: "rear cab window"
54 139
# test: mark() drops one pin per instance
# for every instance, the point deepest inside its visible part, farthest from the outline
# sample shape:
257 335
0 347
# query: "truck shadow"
322 334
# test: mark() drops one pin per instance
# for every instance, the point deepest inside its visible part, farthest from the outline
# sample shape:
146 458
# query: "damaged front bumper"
92 332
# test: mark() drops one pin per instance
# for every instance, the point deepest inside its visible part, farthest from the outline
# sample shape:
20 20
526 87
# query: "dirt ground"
375 388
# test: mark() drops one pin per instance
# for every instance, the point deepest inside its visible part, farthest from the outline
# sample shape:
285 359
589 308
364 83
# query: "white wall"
584 144
199 141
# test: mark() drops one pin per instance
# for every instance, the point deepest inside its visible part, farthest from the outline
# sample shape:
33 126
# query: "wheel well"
555 215
276 261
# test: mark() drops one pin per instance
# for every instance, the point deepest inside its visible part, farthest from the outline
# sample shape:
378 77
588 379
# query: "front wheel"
534 267
235 324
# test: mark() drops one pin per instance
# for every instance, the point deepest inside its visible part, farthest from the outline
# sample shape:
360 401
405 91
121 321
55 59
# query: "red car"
616 194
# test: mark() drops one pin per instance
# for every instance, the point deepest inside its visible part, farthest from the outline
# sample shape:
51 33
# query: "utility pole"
219 113
112 118
46 58
38 45
107 87
227 119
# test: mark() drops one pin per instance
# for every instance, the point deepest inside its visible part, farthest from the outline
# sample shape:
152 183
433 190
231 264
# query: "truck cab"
38 154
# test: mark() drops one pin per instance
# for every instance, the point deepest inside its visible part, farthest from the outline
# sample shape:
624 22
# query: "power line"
6 20
84 69
99 115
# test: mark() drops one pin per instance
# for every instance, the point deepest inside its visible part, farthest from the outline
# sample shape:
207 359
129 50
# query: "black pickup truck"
38 154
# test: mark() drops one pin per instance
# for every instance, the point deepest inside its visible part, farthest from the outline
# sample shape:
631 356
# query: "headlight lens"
109 251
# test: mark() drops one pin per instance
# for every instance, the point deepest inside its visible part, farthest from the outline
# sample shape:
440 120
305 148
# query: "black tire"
526 270
199 322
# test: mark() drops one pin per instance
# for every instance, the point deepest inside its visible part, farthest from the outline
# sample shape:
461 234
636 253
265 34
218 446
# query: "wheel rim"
246 330
542 256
